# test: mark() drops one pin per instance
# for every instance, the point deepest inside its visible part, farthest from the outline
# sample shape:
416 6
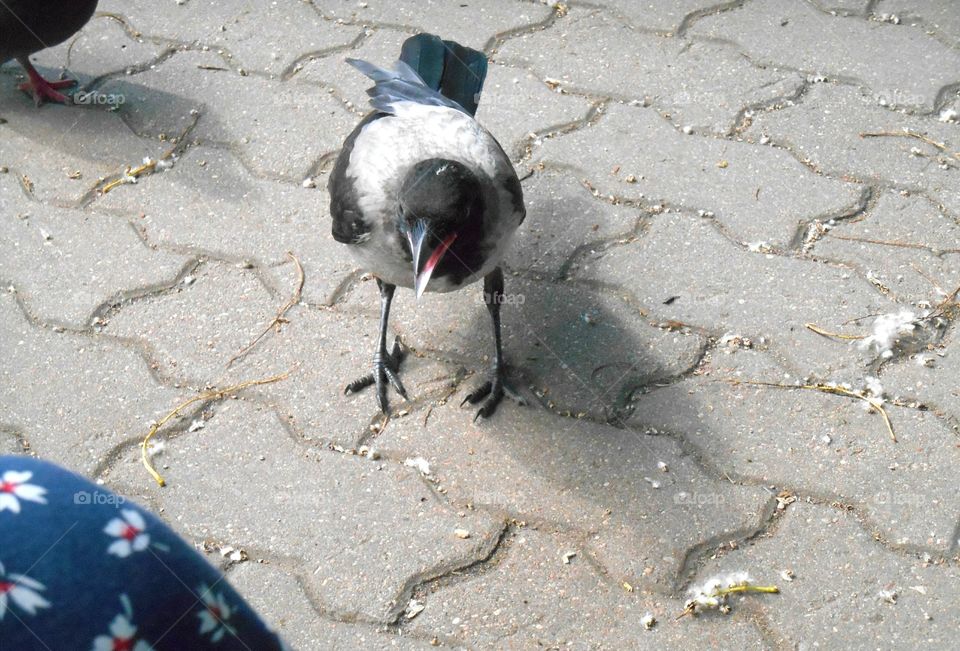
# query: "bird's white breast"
383 153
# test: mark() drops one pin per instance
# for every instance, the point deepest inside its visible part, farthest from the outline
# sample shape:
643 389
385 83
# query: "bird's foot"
386 366
43 90
491 393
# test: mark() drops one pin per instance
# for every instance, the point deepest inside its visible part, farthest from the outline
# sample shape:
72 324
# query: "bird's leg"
492 391
386 365
40 88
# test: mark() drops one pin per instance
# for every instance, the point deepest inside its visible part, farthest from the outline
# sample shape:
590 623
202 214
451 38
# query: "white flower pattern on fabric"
22 591
129 531
215 615
123 633
14 487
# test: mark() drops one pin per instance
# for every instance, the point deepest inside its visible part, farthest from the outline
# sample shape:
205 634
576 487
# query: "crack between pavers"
123 298
694 16
486 554
715 472
295 66
523 150
497 40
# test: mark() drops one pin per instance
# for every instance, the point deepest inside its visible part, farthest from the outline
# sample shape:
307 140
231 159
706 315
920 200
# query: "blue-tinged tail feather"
457 72
430 71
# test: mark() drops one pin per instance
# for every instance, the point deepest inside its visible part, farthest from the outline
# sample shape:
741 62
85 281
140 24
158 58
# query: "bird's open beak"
424 260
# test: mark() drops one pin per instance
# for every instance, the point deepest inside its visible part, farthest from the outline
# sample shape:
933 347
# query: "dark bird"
424 197
28 26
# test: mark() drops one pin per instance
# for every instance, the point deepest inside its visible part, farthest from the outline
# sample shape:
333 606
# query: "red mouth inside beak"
423 277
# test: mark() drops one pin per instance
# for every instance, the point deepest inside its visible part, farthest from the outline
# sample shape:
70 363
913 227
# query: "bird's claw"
491 393
386 366
43 90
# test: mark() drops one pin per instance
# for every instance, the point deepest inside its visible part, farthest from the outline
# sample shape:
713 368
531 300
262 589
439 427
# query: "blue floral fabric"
82 568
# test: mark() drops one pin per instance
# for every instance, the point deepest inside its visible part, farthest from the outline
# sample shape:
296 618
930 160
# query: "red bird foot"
43 90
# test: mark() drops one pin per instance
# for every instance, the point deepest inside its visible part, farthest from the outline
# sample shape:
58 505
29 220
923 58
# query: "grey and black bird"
424 197
28 26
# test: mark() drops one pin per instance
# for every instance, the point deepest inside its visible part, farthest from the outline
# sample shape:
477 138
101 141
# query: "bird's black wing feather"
348 224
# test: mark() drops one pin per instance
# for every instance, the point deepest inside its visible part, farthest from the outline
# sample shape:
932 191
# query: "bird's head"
439 201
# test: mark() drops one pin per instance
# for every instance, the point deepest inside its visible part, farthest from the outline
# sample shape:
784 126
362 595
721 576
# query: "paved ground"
701 184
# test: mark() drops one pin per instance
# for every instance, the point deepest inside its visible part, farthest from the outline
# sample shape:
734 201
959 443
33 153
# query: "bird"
28 26
425 198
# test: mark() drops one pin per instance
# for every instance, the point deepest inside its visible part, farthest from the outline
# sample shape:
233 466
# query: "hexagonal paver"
194 331
845 582
563 218
266 37
279 598
63 150
764 297
222 209
236 110
899 242
835 146
767 31
469 24
269 493
760 194
700 86
74 397
101 256
822 445
102 47
598 481
530 599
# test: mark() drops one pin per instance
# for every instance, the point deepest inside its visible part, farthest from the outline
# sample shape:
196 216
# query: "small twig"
911 134
826 333
278 319
902 245
215 394
828 388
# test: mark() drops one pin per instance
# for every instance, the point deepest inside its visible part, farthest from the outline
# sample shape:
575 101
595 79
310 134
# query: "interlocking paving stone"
530 599
359 528
263 37
840 572
100 48
827 446
663 17
942 17
49 145
208 202
601 482
898 242
759 193
775 32
749 294
236 111
44 245
716 204
825 129
583 350
471 24
279 598
74 397
700 85
194 331
563 218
